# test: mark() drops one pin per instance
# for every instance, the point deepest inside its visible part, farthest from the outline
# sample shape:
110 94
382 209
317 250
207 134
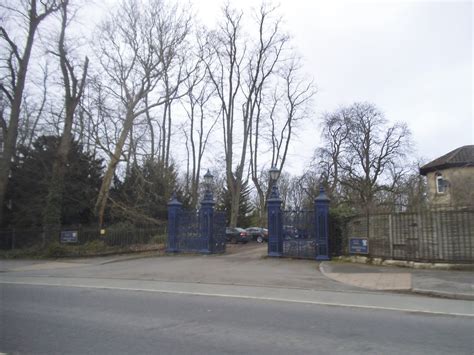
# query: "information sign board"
69 237
358 246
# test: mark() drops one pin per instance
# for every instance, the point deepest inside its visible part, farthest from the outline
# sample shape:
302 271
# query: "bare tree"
407 191
14 67
86 120
73 90
31 114
225 73
368 151
289 105
175 26
198 127
134 44
335 135
243 69
261 69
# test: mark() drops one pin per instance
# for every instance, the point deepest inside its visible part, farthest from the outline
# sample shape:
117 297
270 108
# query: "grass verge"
93 248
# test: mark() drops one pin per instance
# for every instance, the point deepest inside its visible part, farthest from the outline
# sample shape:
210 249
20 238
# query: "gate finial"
322 195
174 200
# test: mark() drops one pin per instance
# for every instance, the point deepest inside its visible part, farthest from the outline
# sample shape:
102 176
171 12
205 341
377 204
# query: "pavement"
242 266
441 283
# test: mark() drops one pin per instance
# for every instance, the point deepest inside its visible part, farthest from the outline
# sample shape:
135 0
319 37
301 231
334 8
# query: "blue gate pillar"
275 228
174 210
207 222
321 212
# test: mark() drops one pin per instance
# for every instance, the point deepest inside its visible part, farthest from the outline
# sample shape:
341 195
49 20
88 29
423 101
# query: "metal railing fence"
442 234
114 235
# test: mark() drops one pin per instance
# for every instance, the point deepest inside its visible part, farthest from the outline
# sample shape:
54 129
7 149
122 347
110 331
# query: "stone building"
450 178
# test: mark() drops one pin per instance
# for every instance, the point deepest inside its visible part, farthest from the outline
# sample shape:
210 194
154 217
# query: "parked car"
236 235
258 234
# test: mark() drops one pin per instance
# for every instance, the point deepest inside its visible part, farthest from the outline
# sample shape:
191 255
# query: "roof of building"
463 156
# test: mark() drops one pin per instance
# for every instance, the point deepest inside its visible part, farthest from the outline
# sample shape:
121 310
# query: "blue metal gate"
200 231
299 237
189 236
192 236
219 232
298 234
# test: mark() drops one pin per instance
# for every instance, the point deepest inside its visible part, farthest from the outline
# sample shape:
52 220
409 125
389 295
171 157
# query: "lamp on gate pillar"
274 175
208 180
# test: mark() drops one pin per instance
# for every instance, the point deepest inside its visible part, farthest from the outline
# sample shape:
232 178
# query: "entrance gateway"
295 234
298 234
200 231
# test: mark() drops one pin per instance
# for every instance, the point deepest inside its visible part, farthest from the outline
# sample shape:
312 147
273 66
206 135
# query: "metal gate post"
174 209
321 214
275 228
207 223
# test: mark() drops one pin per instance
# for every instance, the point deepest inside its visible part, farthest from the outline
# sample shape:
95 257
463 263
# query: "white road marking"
333 304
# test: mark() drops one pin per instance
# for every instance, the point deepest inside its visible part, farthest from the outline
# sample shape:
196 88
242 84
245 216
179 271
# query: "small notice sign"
69 237
358 246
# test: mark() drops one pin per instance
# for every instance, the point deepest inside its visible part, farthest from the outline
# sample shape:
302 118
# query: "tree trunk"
54 200
261 201
52 212
234 204
109 174
18 80
73 90
12 131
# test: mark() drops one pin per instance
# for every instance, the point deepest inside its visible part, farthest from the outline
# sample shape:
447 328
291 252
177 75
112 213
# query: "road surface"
83 320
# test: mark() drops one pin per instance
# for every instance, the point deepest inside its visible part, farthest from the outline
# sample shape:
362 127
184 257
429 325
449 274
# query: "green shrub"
93 247
56 250
32 252
158 239
121 227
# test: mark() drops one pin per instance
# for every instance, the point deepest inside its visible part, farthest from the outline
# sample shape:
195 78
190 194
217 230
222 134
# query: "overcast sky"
413 59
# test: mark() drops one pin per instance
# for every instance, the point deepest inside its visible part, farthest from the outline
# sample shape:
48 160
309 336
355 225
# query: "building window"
441 184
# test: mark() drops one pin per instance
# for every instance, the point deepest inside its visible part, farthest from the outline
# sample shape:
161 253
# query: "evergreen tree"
30 177
143 195
244 218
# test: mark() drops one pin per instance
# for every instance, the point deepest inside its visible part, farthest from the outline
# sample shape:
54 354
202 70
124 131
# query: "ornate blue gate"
189 236
200 231
219 232
298 234
299 237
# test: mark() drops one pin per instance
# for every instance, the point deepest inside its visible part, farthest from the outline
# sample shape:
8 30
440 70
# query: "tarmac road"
240 302
81 320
